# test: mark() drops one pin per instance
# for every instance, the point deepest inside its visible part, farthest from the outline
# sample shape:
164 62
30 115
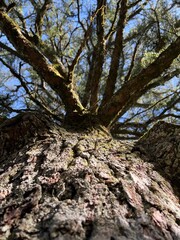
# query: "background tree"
116 60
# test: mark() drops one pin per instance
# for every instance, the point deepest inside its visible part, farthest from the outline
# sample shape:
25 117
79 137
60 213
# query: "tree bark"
66 183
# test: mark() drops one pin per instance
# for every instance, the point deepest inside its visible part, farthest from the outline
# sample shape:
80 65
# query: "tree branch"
118 46
150 86
10 50
29 93
132 61
40 15
83 43
138 10
99 55
125 97
160 81
36 59
151 106
111 30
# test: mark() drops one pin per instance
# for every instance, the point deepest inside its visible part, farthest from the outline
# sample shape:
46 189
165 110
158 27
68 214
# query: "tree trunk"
64 184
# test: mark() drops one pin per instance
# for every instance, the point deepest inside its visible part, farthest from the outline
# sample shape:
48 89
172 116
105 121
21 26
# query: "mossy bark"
58 183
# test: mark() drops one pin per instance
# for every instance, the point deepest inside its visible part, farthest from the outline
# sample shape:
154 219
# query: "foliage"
117 60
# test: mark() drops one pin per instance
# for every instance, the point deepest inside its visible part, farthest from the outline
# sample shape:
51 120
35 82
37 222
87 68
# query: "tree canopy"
115 61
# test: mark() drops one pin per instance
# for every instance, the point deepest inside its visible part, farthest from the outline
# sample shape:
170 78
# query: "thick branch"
40 15
87 91
118 46
52 57
46 71
99 52
132 90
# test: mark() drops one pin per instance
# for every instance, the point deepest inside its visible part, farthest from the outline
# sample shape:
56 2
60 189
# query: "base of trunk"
63 184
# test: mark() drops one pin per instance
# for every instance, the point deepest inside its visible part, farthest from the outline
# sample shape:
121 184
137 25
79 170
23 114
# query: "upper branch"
125 97
98 54
40 15
118 47
37 60
80 50
111 30
132 61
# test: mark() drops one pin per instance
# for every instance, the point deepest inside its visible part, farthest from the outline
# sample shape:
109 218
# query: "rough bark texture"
62 184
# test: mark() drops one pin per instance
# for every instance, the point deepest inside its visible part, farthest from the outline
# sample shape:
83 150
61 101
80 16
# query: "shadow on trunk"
160 146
